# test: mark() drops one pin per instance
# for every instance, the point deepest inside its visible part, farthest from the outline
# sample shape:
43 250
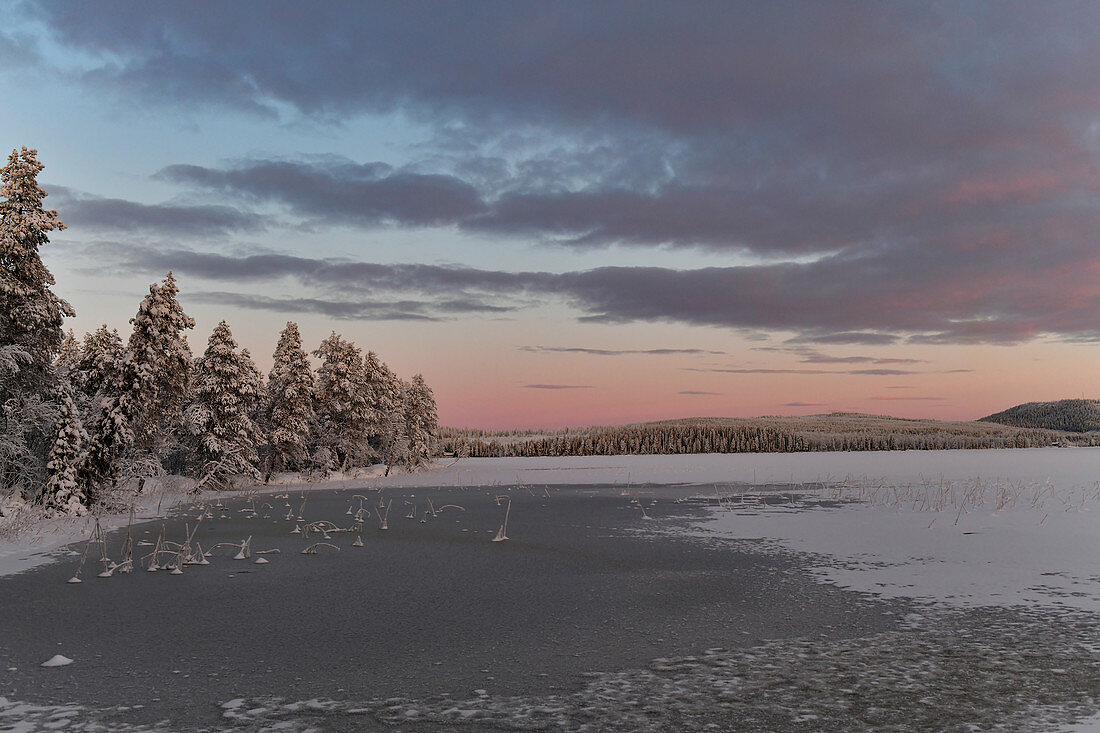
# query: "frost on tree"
343 414
382 399
288 412
26 423
134 421
64 492
158 360
30 313
30 326
393 443
421 420
226 394
97 370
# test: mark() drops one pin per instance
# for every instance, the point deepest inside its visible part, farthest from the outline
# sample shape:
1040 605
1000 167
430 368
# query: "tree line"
841 432
80 416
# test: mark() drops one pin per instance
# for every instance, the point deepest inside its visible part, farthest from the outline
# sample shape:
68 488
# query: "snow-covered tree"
381 398
30 313
340 402
26 422
68 354
288 413
98 368
395 436
421 421
158 361
226 390
64 491
143 412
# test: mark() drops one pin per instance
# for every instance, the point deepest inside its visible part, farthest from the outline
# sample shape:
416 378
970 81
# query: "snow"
1065 467
57 660
29 543
963 543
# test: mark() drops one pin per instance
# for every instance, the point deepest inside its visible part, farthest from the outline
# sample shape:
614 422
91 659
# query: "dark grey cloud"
358 310
557 386
803 404
344 310
337 191
698 392
120 216
979 303
615 352
776 128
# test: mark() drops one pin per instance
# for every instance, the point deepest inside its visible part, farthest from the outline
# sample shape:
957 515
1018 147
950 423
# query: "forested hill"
834 431
1073 416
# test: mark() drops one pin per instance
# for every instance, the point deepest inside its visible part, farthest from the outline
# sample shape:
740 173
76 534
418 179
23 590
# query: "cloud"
881 372
865 338
359 310
803 404
697 392
557 386
927 301
120 216
614 352
816 357
859 372
340 191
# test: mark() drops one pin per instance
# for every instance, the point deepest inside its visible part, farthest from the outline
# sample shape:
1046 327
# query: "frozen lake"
860 591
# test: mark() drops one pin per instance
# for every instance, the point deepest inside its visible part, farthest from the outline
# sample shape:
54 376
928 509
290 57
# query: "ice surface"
965 544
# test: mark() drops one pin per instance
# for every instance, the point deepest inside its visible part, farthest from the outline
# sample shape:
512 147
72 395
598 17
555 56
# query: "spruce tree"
226 391
64 492
98 368
159 361
67 355
30 313
289 402
142 414
340 403
422 422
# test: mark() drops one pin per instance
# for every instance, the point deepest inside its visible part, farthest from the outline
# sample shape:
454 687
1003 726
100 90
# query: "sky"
590 213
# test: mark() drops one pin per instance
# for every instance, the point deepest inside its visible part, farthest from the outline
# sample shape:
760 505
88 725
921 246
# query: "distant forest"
832 432
1074 416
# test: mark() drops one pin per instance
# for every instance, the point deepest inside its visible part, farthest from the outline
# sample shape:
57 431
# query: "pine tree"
63 491
226 390
422 422
289 405
340 403
30 313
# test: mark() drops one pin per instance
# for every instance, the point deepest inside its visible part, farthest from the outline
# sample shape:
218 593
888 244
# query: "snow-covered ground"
1064 467
961 543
